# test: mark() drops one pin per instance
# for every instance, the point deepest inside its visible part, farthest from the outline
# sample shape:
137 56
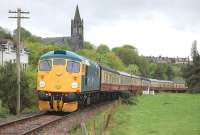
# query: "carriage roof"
108 69
160 81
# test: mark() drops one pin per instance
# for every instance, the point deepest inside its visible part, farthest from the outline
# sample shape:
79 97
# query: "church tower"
77 31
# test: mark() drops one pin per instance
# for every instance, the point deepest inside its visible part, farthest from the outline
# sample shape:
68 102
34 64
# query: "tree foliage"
102 49
107 59
127 53
36 49
5 34
133 69
88 45
170 73
25 34
159 74
192 71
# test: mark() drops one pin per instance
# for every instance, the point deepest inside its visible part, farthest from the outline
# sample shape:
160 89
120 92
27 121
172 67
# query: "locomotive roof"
68 55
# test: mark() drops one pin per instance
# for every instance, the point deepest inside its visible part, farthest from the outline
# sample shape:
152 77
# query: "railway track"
51 124
29 124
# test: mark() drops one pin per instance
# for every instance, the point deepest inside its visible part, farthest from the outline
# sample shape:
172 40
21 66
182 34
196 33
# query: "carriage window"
58 62
73 67
45 65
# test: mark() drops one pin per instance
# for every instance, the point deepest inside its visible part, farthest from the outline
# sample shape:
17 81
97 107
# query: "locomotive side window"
73 67
45 65
58 62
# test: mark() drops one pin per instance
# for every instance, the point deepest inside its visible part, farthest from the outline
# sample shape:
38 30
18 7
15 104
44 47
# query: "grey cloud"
55 15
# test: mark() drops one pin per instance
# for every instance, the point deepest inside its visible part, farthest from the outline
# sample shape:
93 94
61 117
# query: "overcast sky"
154 27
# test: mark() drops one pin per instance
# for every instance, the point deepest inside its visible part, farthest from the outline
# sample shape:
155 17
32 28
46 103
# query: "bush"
128 98
8 88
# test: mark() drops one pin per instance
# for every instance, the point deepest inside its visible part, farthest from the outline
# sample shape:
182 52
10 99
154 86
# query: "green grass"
163 114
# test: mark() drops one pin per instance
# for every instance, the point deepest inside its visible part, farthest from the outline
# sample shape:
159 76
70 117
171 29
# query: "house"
8 53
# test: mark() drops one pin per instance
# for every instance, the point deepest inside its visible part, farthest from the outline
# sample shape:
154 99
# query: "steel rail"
2 125
36 129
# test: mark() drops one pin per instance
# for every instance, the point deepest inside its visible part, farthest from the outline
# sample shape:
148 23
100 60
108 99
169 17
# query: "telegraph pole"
18 16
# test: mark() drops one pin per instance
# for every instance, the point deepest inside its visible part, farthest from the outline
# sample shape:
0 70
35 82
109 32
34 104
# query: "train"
66 81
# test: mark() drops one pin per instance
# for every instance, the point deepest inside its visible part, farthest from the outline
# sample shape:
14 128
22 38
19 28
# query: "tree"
192 71
143 65
151 67
37 49
159 74
195 54
88 45
127 53
114 61
4 34
170 73
133 69
25 34
91 54
103 49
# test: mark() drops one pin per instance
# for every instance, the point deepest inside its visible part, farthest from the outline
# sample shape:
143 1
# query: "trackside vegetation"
162 114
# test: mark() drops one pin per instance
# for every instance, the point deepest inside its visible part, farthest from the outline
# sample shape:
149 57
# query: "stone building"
8 53
76 40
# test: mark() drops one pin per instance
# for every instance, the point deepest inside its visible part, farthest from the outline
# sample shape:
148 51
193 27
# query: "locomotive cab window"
59 62
73 67
45 65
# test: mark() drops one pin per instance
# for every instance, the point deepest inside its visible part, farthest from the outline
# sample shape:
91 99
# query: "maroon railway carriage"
112 80
167 86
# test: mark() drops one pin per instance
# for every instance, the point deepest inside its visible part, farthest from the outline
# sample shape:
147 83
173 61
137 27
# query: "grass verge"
163 114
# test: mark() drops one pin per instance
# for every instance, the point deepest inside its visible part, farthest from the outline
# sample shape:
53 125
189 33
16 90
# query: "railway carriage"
110 79
155 84
161 85
145 83
166 85
125 81
179 85
137 83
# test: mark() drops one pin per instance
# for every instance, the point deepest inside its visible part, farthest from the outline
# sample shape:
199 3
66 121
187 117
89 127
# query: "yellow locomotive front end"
59 83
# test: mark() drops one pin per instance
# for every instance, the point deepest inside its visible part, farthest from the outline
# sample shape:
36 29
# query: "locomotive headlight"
74 85
42 84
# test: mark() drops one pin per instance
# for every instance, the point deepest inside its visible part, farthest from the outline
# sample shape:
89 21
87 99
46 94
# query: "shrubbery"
8 88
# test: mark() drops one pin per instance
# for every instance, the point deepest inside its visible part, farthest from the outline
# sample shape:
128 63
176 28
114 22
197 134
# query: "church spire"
77 31
77 14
